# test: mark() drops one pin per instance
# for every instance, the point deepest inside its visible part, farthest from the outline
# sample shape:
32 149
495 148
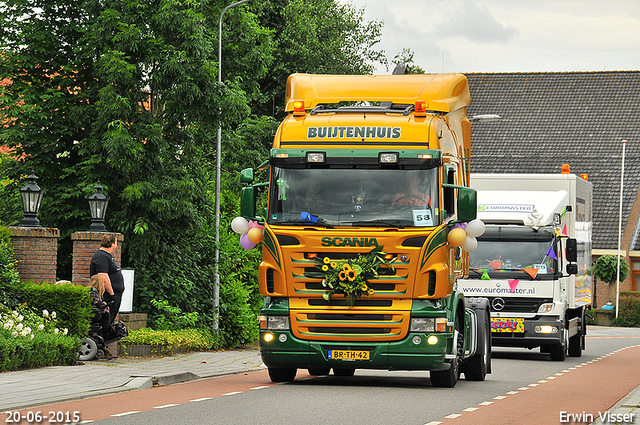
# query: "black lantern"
98 205
31 195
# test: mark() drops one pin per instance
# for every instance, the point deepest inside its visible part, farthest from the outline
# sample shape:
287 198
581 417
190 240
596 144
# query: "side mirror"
248 202
246 175
467 204
571 248
572 269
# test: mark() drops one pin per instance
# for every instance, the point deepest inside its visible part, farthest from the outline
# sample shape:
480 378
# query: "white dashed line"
165 406
126 413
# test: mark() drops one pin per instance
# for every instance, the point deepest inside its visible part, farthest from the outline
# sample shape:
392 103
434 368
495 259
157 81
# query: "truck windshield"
513 254
354 197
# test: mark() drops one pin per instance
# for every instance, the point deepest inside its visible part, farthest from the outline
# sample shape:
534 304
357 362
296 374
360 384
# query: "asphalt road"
526 387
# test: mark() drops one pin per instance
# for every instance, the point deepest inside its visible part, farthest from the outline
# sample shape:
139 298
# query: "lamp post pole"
216 286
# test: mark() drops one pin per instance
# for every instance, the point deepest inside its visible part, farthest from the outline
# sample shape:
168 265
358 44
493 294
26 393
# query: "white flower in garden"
8 325
65 331
32 336
41 327
15 313
56 330
14 334
53 314
45 313
27 330
19 327
20 317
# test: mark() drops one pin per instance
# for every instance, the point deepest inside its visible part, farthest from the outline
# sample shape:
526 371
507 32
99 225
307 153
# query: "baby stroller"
95 345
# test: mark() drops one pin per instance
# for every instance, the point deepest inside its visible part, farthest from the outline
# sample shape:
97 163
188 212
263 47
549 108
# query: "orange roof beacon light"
584 176
565 169
420 109
298 108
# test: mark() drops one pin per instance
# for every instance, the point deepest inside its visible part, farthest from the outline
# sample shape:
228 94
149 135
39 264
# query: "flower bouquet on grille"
350 277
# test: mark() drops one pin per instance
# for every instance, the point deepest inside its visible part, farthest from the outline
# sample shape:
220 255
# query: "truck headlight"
429 324
274 323
422 324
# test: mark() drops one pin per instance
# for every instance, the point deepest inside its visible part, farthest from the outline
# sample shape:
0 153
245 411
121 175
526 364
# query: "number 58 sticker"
422 218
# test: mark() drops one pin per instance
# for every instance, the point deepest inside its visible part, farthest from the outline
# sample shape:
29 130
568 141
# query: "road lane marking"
165 406
126 413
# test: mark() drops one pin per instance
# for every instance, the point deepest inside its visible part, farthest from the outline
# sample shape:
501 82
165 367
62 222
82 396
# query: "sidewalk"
56 384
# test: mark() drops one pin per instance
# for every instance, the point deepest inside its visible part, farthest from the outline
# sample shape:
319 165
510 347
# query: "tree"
606 268
314 36
126 92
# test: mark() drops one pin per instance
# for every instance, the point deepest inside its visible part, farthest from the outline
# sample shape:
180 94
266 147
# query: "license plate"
504 324
349 355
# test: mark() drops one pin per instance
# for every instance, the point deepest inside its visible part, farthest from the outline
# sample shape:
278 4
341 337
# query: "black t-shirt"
103 262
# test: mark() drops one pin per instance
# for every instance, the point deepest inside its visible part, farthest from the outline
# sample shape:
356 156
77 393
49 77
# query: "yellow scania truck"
367 176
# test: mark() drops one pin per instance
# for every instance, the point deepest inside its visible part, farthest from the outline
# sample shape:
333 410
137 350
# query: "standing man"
105 265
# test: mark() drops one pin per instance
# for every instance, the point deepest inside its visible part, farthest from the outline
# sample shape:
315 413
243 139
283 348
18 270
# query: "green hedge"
45 349
629 309
71 303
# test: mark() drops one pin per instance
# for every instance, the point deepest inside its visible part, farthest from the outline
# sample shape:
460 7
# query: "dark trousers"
115 307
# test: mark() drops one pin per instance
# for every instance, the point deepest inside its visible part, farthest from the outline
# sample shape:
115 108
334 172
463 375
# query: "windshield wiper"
378 223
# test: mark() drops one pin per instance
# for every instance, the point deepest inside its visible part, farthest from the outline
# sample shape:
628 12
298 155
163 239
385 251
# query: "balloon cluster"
251 233
464 235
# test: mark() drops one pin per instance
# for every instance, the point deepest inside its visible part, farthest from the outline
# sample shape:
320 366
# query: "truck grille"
366 320
520 304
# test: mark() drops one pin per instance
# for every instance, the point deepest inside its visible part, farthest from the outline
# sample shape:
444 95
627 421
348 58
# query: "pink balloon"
254 224
245 242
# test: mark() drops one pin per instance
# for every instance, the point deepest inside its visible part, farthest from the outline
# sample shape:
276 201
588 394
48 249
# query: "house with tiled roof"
578 118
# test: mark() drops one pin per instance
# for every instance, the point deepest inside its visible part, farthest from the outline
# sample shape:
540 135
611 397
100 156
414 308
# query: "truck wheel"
344 372
282 374
478 365
319 371
559 352
449 378
577 342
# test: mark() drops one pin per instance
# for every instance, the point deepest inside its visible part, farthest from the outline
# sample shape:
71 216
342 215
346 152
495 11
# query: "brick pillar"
36 250
85 244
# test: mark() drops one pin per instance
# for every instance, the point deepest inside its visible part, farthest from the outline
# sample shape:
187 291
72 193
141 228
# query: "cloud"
475 23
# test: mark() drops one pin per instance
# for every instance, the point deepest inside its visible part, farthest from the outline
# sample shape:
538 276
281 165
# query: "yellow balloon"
457 237
255 235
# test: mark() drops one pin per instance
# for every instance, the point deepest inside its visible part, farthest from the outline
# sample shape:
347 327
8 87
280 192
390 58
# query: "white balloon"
240 225
475 228
470 244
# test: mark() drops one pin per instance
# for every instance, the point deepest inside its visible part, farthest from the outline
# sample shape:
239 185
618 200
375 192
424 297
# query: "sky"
509 35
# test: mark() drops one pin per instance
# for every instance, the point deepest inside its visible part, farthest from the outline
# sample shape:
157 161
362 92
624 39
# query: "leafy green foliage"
71 303
606 268
172 318
629 310
29 339
186 339
9 277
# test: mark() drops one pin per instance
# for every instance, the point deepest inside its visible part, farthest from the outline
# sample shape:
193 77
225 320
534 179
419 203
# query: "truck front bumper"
410 353
534 334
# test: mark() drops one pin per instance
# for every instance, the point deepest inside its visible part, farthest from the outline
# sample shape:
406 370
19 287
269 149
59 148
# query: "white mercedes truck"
533 262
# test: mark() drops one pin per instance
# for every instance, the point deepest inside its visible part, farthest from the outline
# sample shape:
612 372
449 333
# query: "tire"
344 372
319 371
559 352
449 378
88 349
282 374
478 365
577 342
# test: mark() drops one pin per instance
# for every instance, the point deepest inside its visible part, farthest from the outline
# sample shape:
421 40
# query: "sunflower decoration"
351 277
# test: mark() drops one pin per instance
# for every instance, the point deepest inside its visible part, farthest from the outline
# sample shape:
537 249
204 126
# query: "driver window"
449 193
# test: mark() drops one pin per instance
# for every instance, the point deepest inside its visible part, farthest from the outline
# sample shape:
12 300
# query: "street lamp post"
216 287
98 206
31 195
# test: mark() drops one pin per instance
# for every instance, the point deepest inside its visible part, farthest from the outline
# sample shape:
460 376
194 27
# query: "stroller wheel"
100 354
88 349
